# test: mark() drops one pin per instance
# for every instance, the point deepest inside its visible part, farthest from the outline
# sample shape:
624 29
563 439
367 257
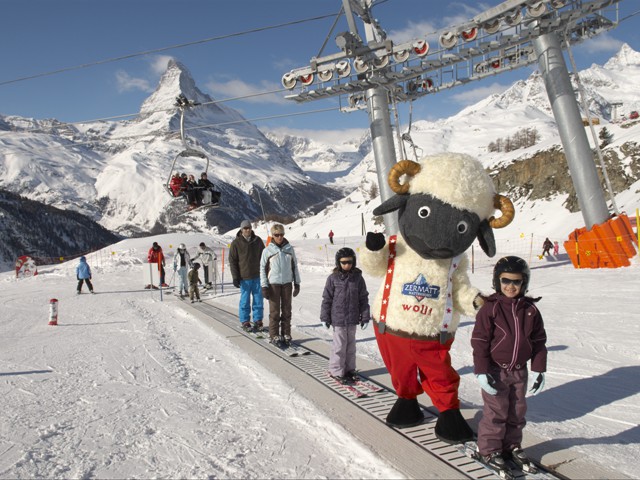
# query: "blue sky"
41 36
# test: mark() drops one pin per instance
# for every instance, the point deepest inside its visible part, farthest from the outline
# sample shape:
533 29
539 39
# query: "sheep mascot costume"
447 201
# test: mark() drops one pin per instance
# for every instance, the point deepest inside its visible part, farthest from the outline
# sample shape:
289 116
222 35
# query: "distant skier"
206 257
331 236
83 274
181 265
345 305
508 332
156 256
556 248
194 280
546 247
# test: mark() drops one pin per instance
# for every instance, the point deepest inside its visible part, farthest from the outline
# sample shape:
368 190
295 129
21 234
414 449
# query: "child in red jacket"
508 332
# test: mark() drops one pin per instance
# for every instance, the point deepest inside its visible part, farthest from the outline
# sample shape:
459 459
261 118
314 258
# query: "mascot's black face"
436 230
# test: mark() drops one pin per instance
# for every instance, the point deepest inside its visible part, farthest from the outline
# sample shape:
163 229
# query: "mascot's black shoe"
405 413
451 427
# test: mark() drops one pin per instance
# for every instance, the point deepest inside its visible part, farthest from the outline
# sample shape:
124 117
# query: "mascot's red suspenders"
448 312
387 283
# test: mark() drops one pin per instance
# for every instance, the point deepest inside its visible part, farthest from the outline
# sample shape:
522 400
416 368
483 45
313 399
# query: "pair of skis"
512 471
291 350
358 388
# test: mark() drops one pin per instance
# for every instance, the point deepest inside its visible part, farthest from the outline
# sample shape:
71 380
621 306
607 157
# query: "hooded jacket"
278 265
244 256
83 270
345 299
179 262
508 333
205 255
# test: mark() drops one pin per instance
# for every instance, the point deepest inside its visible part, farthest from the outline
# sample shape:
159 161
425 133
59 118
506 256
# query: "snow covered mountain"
116 172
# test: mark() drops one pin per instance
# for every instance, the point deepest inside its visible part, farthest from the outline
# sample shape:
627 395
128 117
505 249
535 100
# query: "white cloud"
475 95
331 137
238 88
601 44
127 83
159 63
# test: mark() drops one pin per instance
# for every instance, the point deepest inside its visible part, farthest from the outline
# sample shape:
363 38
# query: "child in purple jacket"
508 332
345 305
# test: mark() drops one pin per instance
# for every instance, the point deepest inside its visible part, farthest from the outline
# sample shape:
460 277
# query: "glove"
236 283
538 383
296 289
327 324
375 241
265 293
364 325
487 383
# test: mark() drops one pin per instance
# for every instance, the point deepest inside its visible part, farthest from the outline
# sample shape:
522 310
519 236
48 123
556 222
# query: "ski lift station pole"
574 140
380 125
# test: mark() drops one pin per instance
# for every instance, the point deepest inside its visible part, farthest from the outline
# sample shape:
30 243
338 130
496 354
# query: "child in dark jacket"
345 305
194 280
508 332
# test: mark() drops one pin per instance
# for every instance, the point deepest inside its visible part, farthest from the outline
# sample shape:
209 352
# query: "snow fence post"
53 311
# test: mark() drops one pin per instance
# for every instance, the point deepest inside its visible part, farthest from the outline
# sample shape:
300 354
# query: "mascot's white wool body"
445 203
411 312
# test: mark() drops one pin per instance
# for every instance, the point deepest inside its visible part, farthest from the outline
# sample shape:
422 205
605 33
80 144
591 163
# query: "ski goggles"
509 281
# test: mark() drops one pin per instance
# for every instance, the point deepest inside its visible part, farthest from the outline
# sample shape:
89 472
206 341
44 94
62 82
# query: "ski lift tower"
513 34
614 113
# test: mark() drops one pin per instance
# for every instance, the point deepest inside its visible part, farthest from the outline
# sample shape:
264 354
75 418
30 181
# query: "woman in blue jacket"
83 274
280 280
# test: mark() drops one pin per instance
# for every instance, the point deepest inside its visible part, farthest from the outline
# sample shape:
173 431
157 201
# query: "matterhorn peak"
176 80
625 56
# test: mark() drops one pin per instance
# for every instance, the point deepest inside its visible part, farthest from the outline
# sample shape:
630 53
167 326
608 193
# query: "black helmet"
344 253
511 264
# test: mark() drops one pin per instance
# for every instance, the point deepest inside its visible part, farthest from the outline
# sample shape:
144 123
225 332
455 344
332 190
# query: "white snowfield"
129 386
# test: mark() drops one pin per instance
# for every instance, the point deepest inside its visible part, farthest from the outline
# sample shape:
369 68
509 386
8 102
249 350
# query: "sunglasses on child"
509 281
346 262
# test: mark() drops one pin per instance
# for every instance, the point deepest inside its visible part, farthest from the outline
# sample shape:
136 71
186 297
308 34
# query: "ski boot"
352 376
276 340
496 462
247 327
286 340
522 461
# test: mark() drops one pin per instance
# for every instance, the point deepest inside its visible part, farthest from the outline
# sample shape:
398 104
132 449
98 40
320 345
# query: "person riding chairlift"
208 190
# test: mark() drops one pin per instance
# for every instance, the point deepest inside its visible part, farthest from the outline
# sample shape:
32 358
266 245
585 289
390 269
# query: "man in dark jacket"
244 261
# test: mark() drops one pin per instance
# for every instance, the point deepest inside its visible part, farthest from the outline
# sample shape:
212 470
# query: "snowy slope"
138 388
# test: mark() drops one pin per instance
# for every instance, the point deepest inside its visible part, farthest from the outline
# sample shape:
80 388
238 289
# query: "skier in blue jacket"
280 280
83 274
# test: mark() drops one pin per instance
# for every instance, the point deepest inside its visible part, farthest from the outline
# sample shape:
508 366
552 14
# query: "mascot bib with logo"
447 202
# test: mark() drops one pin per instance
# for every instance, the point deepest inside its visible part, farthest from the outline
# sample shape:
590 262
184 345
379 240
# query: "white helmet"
182 246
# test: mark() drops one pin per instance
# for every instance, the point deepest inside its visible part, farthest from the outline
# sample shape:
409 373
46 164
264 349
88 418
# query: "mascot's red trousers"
406 359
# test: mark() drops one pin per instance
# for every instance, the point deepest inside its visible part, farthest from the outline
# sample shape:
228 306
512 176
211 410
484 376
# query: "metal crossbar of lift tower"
495 41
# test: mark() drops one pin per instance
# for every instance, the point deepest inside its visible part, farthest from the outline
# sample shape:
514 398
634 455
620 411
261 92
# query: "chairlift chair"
182 103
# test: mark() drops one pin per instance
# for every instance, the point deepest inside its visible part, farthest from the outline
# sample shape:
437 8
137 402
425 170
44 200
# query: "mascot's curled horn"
447 202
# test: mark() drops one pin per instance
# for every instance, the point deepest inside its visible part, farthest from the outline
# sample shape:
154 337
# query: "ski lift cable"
213 102
163 49
199 127
585 107
335 22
